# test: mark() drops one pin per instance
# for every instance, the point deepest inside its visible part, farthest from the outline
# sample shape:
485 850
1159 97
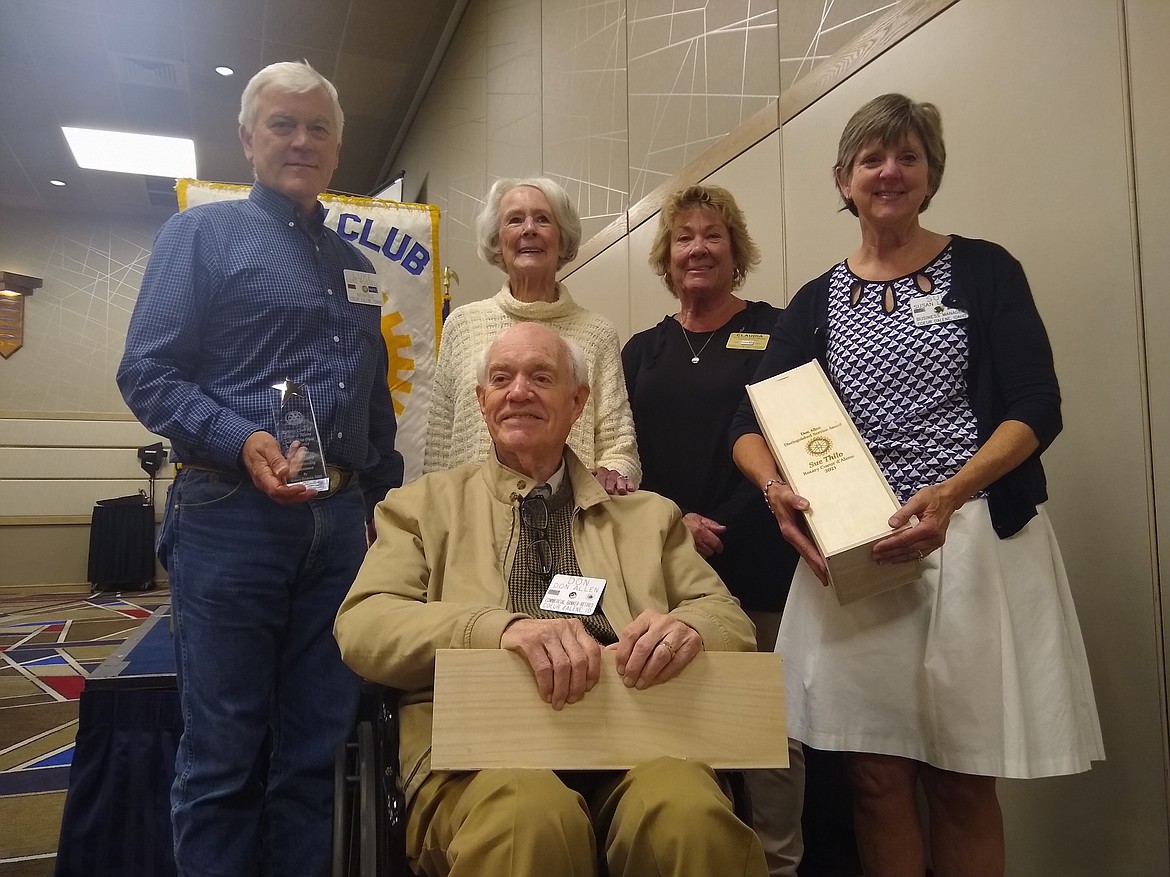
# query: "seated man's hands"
655 647
565 659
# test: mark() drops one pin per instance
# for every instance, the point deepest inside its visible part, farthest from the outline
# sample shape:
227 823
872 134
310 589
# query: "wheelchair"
369 811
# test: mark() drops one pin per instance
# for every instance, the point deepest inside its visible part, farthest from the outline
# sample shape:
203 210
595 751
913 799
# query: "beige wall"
66 438
1018 160
52 472
610 98
1053 110
75 326
1148 22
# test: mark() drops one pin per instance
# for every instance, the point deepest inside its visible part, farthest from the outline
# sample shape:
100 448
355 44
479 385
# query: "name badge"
361 288
928 310
576 595
747 341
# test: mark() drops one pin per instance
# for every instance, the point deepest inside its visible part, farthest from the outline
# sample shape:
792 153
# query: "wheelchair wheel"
355 805
367 801
342 812
369 814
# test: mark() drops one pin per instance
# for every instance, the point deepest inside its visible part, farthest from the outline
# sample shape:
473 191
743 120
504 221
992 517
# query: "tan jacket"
436 578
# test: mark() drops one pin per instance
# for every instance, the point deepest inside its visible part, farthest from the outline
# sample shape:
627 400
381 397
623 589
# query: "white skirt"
978 667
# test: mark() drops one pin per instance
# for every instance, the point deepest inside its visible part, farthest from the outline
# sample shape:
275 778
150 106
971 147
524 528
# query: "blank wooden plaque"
725 709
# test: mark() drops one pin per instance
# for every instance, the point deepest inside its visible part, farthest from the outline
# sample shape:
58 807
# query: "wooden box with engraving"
822 455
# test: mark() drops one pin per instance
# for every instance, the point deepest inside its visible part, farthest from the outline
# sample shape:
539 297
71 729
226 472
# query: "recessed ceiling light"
224 71
129 153
56 182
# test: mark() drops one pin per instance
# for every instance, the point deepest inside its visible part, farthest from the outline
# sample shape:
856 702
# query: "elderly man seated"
464 558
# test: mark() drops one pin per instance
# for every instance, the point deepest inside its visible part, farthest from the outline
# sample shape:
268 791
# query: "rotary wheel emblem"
818 446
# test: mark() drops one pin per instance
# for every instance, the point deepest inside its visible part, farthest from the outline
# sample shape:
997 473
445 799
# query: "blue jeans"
266 699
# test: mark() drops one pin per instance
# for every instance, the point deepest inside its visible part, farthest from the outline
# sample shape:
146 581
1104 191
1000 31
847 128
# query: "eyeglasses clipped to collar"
534 515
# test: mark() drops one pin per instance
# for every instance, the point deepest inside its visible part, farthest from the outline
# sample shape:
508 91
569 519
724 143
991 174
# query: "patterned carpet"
49 644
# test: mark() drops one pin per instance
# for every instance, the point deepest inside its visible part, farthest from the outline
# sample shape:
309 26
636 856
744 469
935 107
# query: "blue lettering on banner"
416 260
397 255
364 240
342 221
409 253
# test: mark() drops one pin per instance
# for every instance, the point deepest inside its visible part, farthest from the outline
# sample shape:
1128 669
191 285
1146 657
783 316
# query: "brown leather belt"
339 478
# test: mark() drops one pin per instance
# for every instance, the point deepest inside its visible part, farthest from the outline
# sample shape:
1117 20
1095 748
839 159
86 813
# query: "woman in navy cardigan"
976 670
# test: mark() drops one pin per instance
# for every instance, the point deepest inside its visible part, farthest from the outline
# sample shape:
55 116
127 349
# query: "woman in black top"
685 378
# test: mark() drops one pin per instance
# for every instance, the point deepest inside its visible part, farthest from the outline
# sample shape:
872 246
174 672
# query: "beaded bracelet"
771 481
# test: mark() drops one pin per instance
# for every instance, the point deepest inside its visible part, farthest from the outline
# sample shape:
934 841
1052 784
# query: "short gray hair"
570 349
889 119
298 77
564 214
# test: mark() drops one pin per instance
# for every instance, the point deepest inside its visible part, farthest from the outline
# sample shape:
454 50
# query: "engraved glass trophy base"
298 436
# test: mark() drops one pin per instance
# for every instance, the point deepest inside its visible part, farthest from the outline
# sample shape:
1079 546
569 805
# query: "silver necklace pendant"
695 354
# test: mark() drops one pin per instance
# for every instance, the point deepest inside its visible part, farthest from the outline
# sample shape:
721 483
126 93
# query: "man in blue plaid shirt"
238 299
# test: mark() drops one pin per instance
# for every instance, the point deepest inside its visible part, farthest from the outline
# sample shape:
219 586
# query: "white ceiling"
148 65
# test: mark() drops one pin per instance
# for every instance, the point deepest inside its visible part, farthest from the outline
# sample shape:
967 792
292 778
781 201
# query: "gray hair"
571 350
564 214
889 119
296 76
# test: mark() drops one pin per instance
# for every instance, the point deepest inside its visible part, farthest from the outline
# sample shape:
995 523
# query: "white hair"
564 214
571 349
296 76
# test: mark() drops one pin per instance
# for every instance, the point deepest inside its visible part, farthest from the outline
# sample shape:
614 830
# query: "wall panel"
1043 169
697 69
603 286
584 106
52 472
649 298
754 179
1148 23
75 325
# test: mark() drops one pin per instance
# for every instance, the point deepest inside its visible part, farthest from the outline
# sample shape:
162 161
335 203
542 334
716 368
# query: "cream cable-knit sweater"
456 433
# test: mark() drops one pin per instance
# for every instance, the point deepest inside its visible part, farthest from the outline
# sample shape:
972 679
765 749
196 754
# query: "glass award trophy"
300 441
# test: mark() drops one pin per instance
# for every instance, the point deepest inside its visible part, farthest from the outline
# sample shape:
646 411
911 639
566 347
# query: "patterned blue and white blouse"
904 385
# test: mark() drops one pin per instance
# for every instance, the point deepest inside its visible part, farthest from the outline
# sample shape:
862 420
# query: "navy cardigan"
1010 375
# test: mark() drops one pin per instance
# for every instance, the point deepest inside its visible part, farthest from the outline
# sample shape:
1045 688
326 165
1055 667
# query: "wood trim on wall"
44 520
884 34
68 415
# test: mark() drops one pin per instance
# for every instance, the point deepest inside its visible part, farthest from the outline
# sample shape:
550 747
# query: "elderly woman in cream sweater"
530 229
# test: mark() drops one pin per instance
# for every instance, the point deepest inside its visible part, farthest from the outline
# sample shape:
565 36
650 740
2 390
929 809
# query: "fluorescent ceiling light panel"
132 153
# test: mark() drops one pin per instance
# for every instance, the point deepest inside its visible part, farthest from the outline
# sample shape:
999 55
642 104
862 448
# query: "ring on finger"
669 647
918 555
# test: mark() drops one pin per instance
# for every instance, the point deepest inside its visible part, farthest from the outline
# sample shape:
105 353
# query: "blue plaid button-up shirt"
238 296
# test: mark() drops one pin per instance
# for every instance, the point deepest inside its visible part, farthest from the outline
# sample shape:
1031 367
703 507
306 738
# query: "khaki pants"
665 817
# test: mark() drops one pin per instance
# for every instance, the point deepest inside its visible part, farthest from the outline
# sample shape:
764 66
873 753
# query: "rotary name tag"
576 595
747 341
928 310
361 288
